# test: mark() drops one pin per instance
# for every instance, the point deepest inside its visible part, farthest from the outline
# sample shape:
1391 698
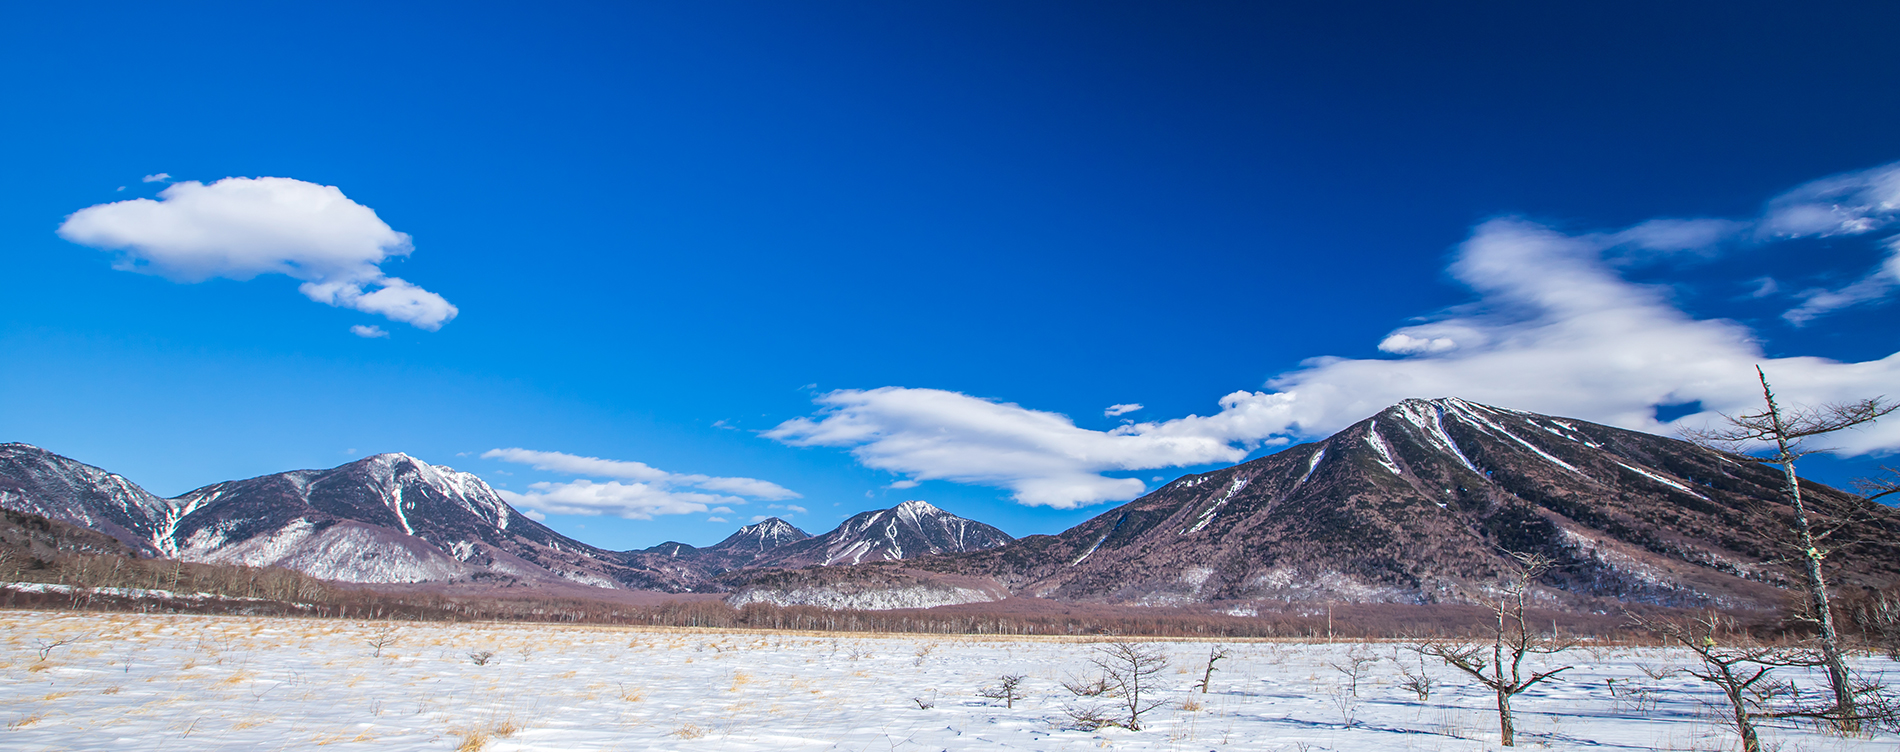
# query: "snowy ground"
195 683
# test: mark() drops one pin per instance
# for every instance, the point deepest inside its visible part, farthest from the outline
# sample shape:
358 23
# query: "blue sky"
792 259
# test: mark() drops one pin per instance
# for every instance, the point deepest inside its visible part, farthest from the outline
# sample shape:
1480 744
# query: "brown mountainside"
1418 504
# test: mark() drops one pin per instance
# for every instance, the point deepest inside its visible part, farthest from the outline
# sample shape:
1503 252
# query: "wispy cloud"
634 501
369 332
159 178
1554 328
649 491
1119 410
239 228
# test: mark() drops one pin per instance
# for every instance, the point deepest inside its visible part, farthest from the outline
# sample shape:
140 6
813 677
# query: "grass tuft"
689 731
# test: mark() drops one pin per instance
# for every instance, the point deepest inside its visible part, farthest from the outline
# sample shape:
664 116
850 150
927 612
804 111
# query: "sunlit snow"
215 683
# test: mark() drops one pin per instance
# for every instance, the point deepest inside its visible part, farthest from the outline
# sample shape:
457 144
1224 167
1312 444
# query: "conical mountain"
908 530
1421 502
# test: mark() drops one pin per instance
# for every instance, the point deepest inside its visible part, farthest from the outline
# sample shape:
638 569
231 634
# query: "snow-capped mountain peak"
913 528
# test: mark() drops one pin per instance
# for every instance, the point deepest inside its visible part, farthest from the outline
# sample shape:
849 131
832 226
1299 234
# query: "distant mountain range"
392 518
1417 504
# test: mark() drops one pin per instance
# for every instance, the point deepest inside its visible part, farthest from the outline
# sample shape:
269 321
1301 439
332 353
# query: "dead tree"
1734 663
1008 688
1128 671
1874 488
1214 655
1785 430
1499 663
382 639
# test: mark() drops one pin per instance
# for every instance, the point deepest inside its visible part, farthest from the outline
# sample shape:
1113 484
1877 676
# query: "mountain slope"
1418 503
383 519
908 530
39 482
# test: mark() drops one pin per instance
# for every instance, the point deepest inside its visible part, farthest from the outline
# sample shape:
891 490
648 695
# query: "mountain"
39 482
751 544
392 518
908 530
384 519
1419 503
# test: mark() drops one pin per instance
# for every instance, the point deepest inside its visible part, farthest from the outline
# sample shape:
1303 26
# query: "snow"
874 599
1466 412
168 682
1378 445
1430 418
1311 465
1101 540
1663 480
1207 515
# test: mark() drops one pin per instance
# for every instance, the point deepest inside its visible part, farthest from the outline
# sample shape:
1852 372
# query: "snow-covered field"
193 683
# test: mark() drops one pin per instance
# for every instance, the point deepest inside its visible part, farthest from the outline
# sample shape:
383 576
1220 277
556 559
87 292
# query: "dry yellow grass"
689 731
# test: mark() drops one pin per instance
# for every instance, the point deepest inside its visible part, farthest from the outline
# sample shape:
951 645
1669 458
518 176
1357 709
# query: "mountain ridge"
1418 503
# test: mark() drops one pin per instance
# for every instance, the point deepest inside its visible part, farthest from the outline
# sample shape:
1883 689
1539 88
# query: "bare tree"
1420 683
1736 664
1512 639
1874 488
382 639
1786 429
1128 672
1879 622
1008 688
1346 697
46 647
1214 655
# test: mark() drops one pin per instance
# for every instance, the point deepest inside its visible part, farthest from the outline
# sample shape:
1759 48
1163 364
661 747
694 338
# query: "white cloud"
652 491
1816 303
788 507
563 462
1405 344
1554 330
716 519
1119 410
532 514
368 332
903 484
634 501
1669 237
931 434
159 178
1851 203
239 228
